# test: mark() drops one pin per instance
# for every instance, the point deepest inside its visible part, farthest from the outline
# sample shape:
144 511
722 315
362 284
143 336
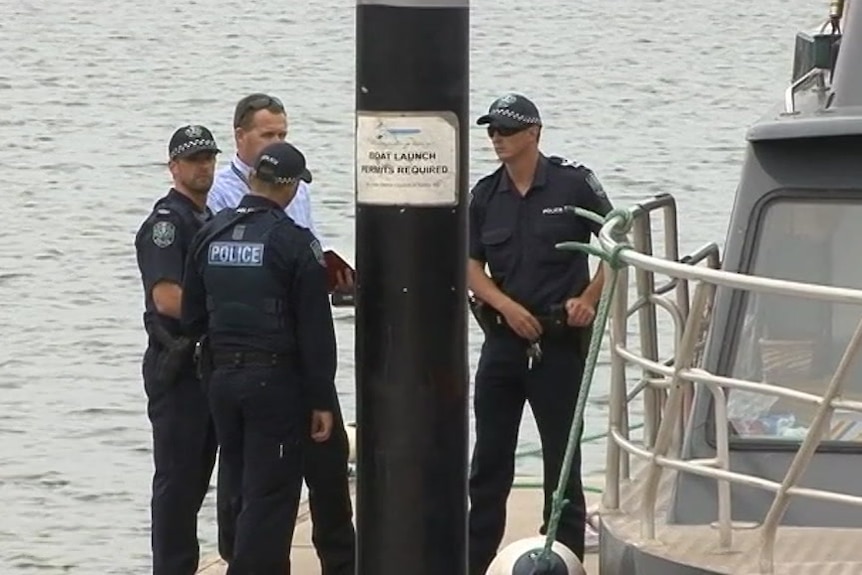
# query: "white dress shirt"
231 184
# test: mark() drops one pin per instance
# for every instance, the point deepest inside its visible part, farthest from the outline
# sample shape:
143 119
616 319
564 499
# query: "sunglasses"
256 104
504 132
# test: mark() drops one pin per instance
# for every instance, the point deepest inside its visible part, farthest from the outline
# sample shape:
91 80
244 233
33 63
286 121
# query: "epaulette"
589 176
164 208
484 180
487 182
560 161
162 212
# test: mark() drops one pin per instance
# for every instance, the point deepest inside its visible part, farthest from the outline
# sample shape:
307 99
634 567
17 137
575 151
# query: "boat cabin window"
794 342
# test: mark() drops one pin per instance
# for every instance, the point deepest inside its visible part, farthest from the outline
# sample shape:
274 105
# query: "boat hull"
620 557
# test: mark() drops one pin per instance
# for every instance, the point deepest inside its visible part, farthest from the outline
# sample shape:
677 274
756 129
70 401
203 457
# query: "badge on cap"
506 100
317 250
194 132
164 233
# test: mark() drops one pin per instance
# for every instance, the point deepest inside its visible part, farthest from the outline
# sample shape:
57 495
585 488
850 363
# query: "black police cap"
512 111
281 163
189 140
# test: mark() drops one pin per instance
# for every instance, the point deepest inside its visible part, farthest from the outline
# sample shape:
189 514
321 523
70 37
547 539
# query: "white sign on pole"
407 158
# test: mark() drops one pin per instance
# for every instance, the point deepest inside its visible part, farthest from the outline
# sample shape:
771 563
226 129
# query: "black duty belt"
554 326
249 358
553 322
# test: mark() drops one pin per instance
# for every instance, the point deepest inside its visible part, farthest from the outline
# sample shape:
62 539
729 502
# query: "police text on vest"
240 254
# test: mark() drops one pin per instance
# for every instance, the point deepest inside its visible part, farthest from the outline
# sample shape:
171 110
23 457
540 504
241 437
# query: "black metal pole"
412 99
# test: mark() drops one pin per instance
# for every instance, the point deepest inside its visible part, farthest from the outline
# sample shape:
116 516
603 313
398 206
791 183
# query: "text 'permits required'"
235 254
407 158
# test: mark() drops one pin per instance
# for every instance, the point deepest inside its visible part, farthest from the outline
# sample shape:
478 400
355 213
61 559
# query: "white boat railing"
666 385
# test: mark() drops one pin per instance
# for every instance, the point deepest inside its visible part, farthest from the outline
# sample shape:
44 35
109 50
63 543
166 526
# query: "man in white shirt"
257 123
259 120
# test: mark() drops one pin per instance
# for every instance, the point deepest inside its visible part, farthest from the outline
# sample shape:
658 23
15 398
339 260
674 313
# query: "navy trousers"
503 383
259 421
325 471
184 453
332 531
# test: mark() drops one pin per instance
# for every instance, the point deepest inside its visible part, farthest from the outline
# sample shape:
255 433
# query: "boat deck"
798 550
525 514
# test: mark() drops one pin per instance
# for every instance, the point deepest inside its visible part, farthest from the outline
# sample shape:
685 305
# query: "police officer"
260 120
534 308
256 284
184 444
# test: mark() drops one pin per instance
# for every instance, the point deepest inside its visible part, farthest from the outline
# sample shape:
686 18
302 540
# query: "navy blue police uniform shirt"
295 258
162 243
515 235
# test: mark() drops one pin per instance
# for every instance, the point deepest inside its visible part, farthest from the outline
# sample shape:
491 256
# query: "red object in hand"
335 266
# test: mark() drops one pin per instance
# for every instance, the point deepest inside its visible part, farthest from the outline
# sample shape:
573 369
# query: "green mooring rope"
613 260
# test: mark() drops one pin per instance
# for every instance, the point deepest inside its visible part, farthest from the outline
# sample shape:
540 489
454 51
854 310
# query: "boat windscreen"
795 342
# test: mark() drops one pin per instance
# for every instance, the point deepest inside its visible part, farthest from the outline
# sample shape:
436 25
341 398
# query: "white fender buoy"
350 429
518 558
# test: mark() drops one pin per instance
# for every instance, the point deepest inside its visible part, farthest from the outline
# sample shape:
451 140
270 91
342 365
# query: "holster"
204 364
486 316
174 353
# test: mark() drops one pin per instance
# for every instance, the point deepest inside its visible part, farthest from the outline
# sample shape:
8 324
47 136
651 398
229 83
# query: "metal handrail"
790 93
725 278
688 319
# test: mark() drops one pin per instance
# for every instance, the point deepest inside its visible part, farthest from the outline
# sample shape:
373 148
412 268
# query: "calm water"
654 95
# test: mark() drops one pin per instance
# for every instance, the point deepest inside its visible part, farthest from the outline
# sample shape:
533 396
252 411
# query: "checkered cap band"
508 113
203 143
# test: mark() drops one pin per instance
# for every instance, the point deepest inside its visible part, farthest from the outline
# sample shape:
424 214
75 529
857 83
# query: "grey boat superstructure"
751 455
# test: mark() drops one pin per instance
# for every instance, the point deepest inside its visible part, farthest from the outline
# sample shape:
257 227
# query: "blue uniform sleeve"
594 198
160 247
315 331
476 250
194 307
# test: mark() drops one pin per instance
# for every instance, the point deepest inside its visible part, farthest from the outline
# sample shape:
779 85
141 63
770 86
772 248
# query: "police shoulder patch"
594 184
164 233
317 250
